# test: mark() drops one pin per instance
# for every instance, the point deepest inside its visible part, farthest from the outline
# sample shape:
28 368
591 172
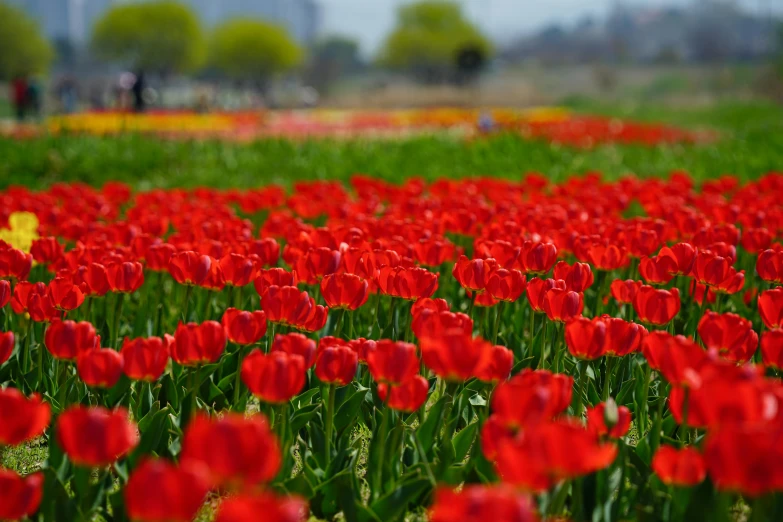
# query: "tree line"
432 40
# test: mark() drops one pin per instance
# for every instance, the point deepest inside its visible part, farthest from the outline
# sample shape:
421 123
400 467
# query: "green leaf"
429 428
348 412
147 419
464 440
152 436
625 397
393 505
303 416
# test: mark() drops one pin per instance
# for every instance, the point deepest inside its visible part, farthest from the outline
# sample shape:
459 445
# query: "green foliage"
23 49
750 144
252 49
430 34
164 36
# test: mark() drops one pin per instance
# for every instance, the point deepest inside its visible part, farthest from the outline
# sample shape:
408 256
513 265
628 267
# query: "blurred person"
138 93
33 96
67 94
19 97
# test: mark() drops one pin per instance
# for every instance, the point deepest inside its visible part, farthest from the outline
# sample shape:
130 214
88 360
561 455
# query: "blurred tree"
253 50
330 59
23 49
159 36
435 42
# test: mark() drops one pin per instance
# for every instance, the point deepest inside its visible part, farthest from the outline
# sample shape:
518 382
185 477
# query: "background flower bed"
205 303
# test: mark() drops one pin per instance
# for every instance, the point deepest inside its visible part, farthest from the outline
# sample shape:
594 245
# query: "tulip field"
512 348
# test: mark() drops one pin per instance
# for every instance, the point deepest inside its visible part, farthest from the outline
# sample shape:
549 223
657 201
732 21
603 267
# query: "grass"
750 145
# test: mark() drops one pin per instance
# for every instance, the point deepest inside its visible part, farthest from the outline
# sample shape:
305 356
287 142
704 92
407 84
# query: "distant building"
73 20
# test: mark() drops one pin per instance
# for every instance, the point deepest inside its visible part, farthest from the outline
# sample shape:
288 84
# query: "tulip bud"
611 414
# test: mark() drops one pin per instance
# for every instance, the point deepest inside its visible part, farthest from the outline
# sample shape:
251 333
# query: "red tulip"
430 304
433 251
625 291
538 258
238 451
578 277
769 266
237 269
622 337
296 344
606 256
15 263
275 378
682 254
536 460
21 418
68 339
745 458
656 306
657 270
755 240
273 277
6 346
190 268
34 299
506 285
710 269
730 335
675 357
771 307
125 277
597 422
160 491
537 289
336 365
503 252
720 393
244 327
92 279
495 365
64 294
479 503
393 362
431 324
197 344
454 355
158 256
362 347
586 339
46 250
407 283
408 396
100 368
5 292
245 508
473 274
563 305
530 397
94 437
145 359
344 291
772 348
679 467
19 496
286 305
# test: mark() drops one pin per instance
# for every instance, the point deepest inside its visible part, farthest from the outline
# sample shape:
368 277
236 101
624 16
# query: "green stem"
338 329
115 332
581 385
270 337
186 307
394 301
330 424
62 394
557 502
378 475
683 432
238 380
448 427
26 351
498 315
610 365
194 389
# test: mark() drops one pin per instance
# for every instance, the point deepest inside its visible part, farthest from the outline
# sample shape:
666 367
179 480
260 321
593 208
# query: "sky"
370 20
